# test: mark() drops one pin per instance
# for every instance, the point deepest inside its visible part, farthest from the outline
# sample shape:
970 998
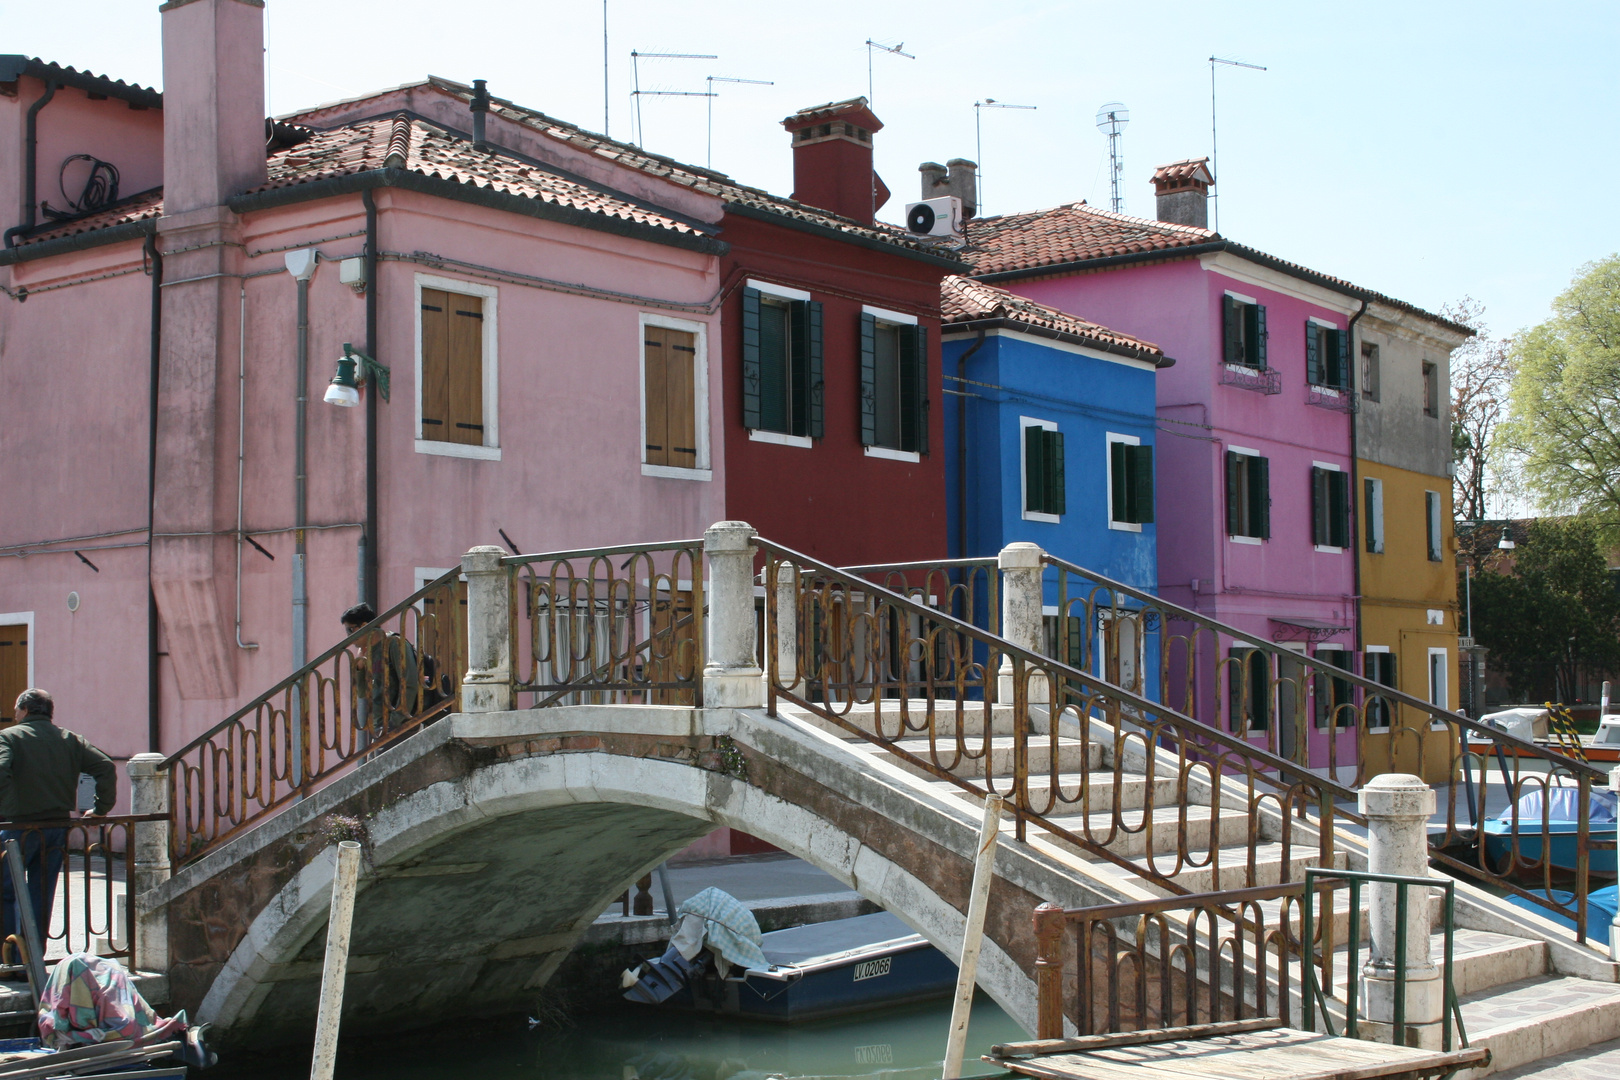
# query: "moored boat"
1551 817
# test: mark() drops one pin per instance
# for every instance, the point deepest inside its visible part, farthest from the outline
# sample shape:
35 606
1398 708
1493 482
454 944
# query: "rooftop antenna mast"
605 69
978 139
712 79
638 93
1111 121
1214 152
898 50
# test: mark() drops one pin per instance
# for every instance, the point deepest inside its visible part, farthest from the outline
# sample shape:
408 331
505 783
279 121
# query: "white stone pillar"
1021 616
731 677
787 627
149 794
487 685
1398 807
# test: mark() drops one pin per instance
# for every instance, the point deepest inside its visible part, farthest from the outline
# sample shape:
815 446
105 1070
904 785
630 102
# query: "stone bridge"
493 840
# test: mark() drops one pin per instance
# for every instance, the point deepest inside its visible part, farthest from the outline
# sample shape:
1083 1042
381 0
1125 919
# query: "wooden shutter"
466 370
1260 493
1259 336
750 358
1034 470
1339 509
656 389
1369 516
680 366
798 368
1057 496
869 382
1232 328
775 333
1313 358
813 350
1237 518
1118 482
1341 346
13 663
1141 459
435 388
918 338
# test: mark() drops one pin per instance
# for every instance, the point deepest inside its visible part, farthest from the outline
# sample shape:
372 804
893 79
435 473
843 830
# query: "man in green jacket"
40 765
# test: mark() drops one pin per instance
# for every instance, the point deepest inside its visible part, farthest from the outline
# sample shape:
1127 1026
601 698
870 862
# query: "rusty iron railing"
1322 716
375 686
620 625
96 855
962 705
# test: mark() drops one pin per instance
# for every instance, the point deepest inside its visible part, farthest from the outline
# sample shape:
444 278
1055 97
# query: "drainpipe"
480 108
961 445
371 547
30 166
241 452
154 699
301 264
1355 477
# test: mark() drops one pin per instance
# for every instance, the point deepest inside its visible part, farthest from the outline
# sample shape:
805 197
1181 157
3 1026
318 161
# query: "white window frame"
26 619
700 395
1434 524
1024 424
490 294
1109 439
1242 451
1445 681
1328 549
1390 707
1375 527
892 318
781 292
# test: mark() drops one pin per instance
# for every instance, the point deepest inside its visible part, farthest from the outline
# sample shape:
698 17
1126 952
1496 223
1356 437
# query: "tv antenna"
638 93
897 49
712 79
1111 121
978 140
1214 152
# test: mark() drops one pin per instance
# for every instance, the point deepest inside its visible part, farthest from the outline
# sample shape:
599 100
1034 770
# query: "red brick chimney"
213 101
1182 192
832 159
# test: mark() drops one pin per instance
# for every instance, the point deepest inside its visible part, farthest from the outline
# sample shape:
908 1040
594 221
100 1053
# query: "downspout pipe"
372 549
154 697
1355 480
241 451
301 264
961 445
30 166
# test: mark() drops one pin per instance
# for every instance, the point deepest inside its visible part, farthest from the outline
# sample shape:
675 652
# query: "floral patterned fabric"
89 1000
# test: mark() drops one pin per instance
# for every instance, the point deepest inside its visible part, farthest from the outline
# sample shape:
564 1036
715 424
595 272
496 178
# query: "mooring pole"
967 970
337 960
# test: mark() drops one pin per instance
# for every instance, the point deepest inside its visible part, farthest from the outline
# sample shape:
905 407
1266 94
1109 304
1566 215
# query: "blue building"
1049 438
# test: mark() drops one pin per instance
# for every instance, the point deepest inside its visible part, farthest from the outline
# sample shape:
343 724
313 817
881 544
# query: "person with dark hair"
387 682
40 765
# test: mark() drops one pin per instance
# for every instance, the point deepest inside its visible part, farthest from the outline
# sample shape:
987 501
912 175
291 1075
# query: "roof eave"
14 65
815 229
1157 359
82 241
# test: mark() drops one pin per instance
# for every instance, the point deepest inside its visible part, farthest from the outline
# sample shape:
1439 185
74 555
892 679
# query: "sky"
1427 150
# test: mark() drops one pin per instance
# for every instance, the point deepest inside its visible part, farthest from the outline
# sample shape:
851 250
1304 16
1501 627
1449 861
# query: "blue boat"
1558 825
1600 909
812 972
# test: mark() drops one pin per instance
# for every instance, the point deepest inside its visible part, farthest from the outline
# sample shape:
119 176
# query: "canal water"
631 1043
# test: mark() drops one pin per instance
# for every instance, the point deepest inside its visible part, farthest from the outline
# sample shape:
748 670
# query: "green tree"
1551 620
1566 393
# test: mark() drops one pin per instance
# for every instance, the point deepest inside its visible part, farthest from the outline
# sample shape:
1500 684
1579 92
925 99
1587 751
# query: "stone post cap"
144 764
1021 555
484 559
729 536
1396 795
1614 778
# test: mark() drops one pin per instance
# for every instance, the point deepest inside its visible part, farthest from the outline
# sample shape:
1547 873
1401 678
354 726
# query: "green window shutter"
1057 500
1369 517
813 352
1231 322
1236 518
798 368
1118 486
775 385
919 349
1259 335
1141 459
1341 341
1339 509
1034 470
1313 358
750 364
1260 494
869 381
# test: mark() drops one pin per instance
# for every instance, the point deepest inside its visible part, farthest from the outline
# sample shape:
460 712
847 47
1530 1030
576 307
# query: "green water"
631 1043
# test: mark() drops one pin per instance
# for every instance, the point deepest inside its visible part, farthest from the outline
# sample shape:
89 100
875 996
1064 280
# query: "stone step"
1133 833
1101 785
1065 755
1537 1018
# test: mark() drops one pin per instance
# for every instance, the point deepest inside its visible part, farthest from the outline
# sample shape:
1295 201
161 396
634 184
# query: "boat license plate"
871 969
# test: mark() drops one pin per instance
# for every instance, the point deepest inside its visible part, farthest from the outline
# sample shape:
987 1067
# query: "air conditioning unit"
935 217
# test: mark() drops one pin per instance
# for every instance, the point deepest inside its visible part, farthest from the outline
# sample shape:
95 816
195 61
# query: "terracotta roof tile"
961 300
146 204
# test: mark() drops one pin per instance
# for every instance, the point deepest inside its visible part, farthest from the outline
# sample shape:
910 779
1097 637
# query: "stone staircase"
1513 997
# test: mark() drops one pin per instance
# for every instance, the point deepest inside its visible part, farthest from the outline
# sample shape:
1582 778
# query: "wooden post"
967 971
1049 924
344 880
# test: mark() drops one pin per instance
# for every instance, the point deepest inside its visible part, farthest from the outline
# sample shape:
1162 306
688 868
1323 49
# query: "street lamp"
353 367
1506 543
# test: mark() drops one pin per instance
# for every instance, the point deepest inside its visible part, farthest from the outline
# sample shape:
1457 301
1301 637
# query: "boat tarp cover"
1563 804
1600 910
806 944
733 931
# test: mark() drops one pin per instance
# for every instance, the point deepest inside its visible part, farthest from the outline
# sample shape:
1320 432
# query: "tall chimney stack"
213 101
832 159
959 177
1182 190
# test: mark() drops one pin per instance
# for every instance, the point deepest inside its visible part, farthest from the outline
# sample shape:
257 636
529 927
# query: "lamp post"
354 370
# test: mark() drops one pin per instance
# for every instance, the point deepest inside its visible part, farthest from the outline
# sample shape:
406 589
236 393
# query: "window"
1248 495
1249 685
1369 371
1330 507
1130 483
1379 664
674 398
1244 326
781 338
1431 389
456 368
1327 356
1437 678
1373 513
1044 486
1334 701
1431 514
894 385
16 668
